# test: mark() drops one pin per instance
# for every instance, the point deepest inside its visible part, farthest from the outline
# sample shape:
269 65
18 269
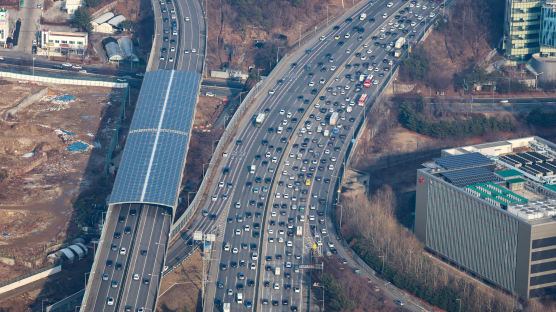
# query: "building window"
545 254
543 279
50 41
57 41
72 42
541 292
544 242
543 267
64 41
80 42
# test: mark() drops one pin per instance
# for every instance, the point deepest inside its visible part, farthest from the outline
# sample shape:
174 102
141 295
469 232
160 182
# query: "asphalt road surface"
295 170
136 245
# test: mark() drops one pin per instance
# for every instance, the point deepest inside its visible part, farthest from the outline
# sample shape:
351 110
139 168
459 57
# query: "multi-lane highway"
130 258
135 257
183 35
295 163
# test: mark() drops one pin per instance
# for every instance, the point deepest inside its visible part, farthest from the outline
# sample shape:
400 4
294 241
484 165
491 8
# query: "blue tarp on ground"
67 132
78 147
65 98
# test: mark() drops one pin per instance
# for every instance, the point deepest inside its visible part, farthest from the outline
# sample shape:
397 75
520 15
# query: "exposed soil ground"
43 176
228 45
180 290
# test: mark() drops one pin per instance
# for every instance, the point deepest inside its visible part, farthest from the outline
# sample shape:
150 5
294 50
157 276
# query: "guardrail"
95 263
155 36
61 79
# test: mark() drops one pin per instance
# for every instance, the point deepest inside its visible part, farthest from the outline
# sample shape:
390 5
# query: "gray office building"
491 209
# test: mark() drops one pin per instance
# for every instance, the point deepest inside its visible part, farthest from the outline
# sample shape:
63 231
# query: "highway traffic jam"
280 177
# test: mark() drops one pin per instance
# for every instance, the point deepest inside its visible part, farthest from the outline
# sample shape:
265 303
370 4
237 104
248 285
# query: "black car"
132 212
117 235
223 266
127 230
143 252
275 303
118 266
109 263
121 219
285 302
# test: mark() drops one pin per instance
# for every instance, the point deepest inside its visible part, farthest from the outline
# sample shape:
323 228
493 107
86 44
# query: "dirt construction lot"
39 176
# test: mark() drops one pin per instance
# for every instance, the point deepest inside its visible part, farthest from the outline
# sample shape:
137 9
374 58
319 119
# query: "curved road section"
278 179
130 257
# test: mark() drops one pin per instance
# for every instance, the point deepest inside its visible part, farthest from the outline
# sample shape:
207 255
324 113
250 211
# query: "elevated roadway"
130 258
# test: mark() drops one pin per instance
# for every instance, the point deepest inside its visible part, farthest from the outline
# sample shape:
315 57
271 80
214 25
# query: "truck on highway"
399 43
326 132
398 46
362 17
277 271
367 83
362 99
333 118
226 307
252 169
299 231
362 77
239 298
259 119
280 129
319 129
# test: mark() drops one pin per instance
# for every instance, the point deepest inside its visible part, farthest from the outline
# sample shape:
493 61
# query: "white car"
193 50
221 184
282 112
322 38
271 91
110 301
289 243
123 251
312 83
187 19
247 228
238 231
235 250
135 277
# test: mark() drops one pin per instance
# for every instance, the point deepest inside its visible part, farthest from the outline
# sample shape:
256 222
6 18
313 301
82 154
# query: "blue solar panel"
156 147
155 94
463 161
470 176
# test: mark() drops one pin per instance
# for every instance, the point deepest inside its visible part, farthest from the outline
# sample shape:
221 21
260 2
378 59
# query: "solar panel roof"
470 176
463 161
154 155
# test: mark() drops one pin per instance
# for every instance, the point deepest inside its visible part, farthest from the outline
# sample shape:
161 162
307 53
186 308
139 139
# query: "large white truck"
362 17
259 119
333 118
362 77
399 43
326 132
239 298
299 231
252 169
277 271
226 307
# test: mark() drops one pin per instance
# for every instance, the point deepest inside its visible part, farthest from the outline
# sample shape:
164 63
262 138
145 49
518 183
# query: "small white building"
4 26
72 5
62 43
100 24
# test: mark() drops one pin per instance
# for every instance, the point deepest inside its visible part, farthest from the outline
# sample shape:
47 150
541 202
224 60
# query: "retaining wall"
27 279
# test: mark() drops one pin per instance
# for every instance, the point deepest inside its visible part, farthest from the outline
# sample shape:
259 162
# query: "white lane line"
160 121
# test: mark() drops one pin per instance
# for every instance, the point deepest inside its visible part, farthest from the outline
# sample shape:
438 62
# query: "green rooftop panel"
516 180
508 173
551 187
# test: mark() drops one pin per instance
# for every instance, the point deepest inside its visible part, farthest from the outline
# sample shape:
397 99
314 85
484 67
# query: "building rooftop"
517 175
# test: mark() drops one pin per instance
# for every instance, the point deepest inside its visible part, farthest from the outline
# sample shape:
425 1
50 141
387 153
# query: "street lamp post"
277 52
204 169
382 268
459 304
33 67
